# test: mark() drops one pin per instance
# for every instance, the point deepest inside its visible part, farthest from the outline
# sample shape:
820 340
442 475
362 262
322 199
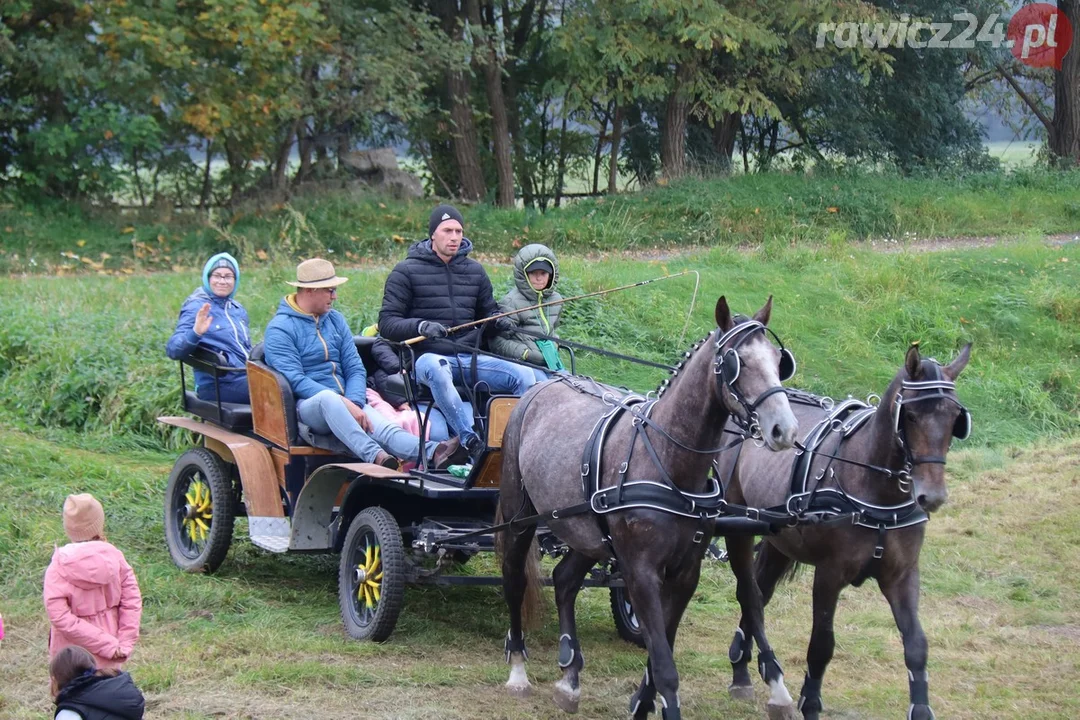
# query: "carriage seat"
232 416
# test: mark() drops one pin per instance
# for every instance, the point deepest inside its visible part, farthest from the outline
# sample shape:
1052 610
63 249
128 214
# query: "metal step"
270 533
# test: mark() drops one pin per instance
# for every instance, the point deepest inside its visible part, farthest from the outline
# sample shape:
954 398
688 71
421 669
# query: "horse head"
926 415
749 369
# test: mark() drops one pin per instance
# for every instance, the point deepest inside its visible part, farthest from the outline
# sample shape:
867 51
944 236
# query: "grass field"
82 377
261 639
86 353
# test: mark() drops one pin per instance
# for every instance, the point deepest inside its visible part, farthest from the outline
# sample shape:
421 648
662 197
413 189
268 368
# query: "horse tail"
514 501
532 607
765 552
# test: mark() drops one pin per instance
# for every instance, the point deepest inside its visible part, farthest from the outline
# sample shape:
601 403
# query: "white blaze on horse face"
518 684
760 372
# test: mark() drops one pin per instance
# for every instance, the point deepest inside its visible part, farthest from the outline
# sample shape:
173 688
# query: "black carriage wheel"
199 511
371 576
626 621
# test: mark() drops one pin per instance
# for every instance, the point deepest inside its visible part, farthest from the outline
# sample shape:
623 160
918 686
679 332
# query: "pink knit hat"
84 518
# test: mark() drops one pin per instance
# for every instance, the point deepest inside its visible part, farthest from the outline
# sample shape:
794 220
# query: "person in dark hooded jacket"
211 317
536 273
83 692
437 287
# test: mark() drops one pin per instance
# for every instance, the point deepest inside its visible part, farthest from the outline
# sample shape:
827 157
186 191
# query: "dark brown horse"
869 476
615 478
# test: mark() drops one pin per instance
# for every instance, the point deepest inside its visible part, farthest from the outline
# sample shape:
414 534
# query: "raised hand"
202 320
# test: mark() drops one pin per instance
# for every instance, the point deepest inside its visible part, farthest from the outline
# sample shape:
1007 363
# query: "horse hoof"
641 709
744 693
519 691
783 712
566 697
920 712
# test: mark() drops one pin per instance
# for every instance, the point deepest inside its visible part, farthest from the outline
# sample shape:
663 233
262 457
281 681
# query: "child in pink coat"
91 594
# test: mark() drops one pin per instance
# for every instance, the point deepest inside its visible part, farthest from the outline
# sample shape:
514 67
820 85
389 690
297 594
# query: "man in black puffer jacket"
436 287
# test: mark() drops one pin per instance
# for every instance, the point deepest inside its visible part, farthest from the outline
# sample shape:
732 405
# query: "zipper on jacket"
453 301
326 356
235 333
540 312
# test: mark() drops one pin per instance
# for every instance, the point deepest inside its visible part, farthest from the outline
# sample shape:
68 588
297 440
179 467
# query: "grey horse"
888 465
661 450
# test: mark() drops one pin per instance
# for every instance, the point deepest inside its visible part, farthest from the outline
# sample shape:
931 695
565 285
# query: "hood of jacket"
423 251
210 266
525 257
97 696
289 308
88 565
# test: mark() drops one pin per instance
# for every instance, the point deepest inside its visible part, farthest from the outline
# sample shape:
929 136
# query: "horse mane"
666 382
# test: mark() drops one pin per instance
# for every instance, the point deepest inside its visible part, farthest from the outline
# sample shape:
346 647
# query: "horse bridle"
936 389
727 366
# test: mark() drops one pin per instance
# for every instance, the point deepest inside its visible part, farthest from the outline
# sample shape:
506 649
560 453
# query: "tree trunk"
237 168
1064 140
616 140
282 162
724 137
304 147
600 139
204 196
486 59
560 172
463 132
673 137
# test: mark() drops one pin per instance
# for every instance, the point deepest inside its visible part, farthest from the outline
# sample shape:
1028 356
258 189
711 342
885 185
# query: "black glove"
504 324
432 329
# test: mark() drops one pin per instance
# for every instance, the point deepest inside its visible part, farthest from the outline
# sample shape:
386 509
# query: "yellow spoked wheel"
199 511
368 577
371 577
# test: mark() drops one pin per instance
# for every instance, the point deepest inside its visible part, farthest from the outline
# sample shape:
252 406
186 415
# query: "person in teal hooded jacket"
212 317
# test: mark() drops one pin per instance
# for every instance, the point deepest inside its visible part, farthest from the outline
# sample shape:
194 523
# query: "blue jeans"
436 422
440 372
326 414
232 391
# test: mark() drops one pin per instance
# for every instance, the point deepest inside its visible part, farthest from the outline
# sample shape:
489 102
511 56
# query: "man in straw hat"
311 344
436 287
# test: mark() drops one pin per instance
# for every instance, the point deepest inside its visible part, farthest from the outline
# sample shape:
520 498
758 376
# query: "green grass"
85 355
743 210
262 638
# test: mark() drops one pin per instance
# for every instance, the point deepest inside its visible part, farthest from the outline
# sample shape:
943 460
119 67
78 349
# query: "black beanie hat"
441 213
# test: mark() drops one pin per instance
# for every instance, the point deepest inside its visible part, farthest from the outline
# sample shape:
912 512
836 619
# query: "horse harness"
835 506
660 493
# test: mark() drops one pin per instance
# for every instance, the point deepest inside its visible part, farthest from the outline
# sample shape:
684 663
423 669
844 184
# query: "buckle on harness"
698 537
878 552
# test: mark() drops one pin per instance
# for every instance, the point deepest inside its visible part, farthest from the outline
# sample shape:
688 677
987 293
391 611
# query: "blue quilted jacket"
314 353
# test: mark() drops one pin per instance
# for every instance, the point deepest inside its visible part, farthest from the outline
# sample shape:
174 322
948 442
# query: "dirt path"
885 245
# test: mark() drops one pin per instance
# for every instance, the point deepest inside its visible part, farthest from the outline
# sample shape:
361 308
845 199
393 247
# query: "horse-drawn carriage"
642 465
300 492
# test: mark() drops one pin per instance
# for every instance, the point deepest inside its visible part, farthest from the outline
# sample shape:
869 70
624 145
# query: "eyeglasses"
223 277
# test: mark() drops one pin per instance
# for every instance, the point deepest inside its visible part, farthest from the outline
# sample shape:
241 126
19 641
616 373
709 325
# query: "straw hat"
316 273
84 518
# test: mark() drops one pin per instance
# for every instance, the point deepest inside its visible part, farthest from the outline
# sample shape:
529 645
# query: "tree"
486 57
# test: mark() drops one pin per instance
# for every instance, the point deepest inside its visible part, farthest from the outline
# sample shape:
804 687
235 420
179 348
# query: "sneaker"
386 460
474 446
448 453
